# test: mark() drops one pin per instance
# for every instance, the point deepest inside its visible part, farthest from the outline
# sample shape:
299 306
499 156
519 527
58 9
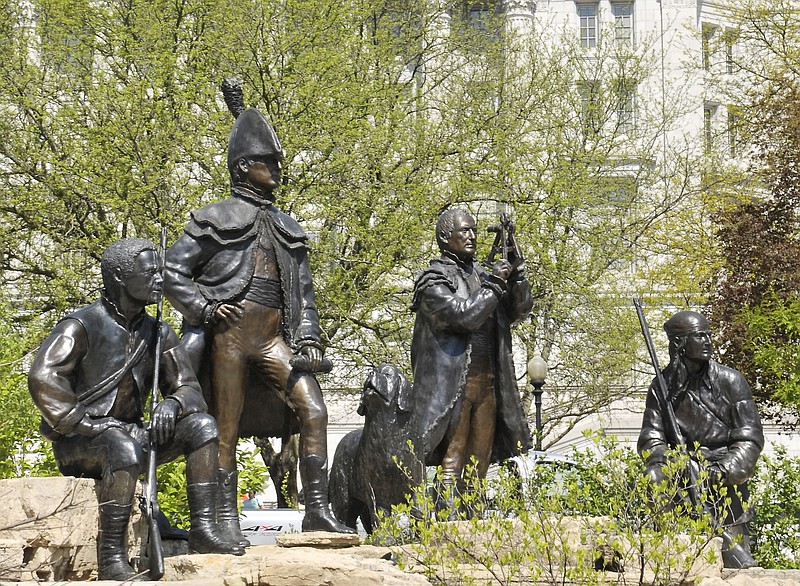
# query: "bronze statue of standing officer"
239 275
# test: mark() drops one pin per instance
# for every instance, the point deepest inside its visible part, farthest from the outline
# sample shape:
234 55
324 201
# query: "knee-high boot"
112 544
205 536
736 547
446 495
318 517
227 508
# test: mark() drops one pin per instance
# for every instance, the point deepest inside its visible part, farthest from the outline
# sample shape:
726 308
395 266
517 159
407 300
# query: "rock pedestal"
274 565
48 529
48 532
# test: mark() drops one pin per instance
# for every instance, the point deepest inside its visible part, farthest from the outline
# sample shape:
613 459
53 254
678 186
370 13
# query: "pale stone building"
694 51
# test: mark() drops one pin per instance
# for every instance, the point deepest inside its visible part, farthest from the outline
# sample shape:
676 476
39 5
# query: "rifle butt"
155 554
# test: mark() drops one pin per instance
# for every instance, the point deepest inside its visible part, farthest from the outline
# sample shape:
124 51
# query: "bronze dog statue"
375 467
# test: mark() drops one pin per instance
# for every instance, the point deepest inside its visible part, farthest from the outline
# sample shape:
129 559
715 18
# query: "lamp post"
537 372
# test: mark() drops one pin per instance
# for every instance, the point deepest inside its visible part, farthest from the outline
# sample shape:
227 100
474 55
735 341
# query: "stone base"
48 529
48 532
755 577
273 565
318 539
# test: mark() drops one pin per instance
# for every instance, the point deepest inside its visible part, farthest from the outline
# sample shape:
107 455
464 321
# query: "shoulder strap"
108 384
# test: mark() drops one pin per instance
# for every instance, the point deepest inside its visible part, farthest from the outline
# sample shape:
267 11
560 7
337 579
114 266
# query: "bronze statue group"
251 345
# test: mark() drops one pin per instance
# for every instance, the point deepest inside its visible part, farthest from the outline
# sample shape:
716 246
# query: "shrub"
776 527
599 521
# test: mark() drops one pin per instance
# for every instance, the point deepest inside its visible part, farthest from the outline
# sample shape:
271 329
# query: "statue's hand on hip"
228 313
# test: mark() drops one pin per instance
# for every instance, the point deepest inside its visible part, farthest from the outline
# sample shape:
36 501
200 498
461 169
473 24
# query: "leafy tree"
776 527
21 447
755 305
389 111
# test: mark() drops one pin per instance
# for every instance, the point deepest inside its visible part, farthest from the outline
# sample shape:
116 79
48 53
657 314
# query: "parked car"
525 463
544 470
262 526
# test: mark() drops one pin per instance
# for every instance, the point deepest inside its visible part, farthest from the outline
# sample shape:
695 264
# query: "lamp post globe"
537 373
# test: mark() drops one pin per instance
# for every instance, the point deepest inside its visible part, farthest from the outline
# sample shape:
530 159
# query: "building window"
619 191
731 36
587 19
623 22
590 115
708 127
707 45
477 21
477 15
734 124
625 94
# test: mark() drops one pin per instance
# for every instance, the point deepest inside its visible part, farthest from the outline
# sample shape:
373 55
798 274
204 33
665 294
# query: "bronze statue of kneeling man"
712 407
91 379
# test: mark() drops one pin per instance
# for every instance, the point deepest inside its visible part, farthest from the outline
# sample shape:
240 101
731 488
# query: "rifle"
148 501
673 432
504 242
675 437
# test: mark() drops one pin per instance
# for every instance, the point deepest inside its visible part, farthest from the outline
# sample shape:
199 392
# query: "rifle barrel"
154 550
669 420
660 388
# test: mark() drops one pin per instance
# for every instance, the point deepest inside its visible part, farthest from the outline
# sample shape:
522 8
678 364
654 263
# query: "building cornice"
519 7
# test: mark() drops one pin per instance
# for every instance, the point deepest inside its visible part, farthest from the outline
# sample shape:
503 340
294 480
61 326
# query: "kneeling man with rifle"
91 380
696 401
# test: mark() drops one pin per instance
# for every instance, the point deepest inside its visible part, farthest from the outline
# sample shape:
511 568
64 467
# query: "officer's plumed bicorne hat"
252 136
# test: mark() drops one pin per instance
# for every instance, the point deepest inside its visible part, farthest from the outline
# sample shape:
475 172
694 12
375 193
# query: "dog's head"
384 385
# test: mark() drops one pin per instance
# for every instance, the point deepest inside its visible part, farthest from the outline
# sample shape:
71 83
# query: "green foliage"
111 124
252 471
598 521
773 334
755 303
172 499
776 527
23 451
768 30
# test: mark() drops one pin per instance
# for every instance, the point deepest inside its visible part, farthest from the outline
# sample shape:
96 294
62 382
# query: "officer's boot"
112 544
318 517
228 509
445 496
204 536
